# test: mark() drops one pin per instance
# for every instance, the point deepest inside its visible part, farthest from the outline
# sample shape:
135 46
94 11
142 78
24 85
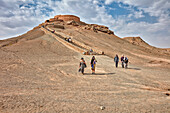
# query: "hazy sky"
149 19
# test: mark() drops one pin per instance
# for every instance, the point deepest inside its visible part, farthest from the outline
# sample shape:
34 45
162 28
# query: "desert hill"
38 71
99 38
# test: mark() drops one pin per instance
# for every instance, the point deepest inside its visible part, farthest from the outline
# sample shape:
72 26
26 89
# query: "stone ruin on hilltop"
61 20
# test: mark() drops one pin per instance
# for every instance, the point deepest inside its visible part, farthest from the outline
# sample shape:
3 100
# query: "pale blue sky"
149 19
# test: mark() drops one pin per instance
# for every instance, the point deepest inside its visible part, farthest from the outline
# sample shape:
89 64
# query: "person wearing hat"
82 65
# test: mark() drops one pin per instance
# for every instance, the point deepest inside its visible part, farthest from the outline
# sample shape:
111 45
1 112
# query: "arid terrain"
39 71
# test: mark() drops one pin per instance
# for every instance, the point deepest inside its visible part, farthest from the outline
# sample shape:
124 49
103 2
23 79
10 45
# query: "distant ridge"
136 41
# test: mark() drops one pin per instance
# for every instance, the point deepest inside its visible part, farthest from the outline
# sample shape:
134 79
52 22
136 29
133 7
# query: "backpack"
126 60
122 58
85 65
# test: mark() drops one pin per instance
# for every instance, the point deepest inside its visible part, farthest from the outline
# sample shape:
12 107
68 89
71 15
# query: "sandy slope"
112 45
39 74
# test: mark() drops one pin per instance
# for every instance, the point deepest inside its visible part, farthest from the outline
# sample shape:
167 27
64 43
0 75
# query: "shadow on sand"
99 74
134 68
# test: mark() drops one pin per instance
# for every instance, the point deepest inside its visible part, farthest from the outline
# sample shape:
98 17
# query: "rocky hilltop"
75 21
39 71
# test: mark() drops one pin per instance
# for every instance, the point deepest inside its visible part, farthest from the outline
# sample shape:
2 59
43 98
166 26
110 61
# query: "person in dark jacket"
116 59
126 62
122 60
82 65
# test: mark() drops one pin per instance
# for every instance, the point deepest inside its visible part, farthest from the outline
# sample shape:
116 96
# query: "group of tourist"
124 62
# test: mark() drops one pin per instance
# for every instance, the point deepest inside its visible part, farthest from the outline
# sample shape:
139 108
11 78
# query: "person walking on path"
122 60
126 62
82 65
93 64
116 59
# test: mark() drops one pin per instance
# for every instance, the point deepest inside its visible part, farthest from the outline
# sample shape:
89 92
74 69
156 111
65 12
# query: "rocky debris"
110 32
52 19
82 23
72 22
87 27
59 26
167 94
97 28
102 28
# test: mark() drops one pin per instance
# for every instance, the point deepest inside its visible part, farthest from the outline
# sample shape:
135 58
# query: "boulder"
103 30
70 22
47 21
52 19
87 27
110 32
99 26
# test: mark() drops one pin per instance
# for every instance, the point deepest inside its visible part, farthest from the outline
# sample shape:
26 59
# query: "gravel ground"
41 75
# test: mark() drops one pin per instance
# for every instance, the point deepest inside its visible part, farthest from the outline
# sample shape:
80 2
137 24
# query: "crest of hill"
30 35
